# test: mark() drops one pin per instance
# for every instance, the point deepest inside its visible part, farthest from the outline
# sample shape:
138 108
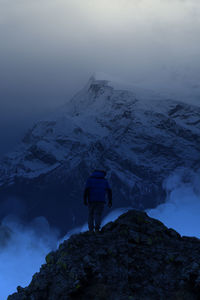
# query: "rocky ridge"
134 258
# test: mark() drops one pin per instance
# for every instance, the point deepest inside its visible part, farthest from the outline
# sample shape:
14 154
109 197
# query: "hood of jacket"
98 174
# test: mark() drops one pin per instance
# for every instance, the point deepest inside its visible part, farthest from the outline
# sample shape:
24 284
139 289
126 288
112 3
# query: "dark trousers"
95 210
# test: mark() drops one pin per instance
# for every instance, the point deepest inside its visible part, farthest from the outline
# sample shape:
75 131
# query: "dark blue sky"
49 49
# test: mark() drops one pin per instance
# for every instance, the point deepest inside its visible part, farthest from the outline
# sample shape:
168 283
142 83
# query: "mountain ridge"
140 140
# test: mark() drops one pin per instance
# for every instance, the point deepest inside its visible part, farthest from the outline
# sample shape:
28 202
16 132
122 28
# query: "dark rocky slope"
133 258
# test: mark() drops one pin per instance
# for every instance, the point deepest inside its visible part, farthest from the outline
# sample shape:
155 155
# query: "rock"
134 258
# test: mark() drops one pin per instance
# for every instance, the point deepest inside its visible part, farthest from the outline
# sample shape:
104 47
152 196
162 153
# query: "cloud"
22 251
182 206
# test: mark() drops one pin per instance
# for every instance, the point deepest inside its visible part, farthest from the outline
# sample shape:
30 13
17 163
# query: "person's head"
97 166
101 171
98 173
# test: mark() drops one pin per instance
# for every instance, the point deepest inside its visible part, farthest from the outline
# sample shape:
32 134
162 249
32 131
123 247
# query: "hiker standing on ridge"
95 197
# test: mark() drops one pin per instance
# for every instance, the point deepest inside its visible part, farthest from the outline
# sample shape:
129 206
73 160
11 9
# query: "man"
95 197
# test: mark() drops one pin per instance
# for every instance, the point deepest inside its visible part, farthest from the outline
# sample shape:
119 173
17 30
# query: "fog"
49 49
22 251
182 206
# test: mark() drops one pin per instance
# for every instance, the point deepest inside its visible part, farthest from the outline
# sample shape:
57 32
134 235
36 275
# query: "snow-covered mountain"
137 135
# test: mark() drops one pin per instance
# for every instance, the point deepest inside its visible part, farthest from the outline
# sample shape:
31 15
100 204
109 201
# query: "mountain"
137 135
135 257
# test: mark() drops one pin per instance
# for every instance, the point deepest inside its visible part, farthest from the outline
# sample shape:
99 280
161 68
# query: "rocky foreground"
134 258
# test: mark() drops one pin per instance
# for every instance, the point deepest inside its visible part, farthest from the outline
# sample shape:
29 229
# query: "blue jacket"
97 187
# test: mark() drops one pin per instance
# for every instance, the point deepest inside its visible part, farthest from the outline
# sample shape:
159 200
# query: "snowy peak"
133 133
100 78
103 92
138 137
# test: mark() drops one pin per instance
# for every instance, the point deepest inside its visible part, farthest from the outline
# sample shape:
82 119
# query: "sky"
49 49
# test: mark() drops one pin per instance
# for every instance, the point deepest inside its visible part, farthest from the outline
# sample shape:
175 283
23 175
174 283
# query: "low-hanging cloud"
22 251
182 206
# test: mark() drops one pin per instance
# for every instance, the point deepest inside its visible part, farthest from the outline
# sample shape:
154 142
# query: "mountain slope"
135 257
136 135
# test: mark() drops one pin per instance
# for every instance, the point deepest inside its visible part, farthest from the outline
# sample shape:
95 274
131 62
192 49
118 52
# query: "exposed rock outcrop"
133 258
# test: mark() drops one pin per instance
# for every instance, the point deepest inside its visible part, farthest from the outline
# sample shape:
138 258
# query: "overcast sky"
49 49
